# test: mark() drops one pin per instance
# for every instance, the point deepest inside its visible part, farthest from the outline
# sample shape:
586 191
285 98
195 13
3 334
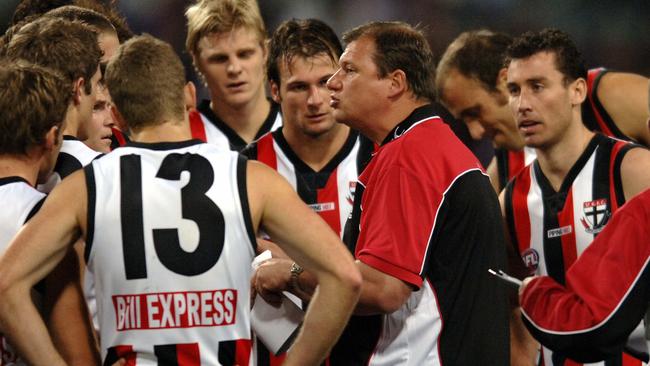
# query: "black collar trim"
419 114
163 145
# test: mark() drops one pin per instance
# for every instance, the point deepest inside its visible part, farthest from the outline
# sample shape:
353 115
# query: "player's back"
170 242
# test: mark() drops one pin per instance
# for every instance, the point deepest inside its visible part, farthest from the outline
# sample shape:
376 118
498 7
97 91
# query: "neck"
394 114
26 167
71 124
246 119
317 151
557 159
172 130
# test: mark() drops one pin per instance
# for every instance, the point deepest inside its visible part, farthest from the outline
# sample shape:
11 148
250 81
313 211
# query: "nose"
521 103
234 67
475 128
315 98
333 83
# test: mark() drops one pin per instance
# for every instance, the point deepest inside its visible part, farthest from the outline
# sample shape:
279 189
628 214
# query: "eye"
537 87
513 90
297 87
218 59
246 54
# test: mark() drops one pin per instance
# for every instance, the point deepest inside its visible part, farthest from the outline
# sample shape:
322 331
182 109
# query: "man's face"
99 131
86 105
303 95
485 113
539 99
356 88
232 64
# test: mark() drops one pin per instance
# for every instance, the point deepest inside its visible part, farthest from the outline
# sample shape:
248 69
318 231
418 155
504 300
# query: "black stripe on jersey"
164 145
35 209
66 164
308 181
553 202
250 151
13 179
618 179
589 117
236 142
131 216
358 341
510 215
166 354
366 148
111 356
601 179
351 228
227 352
243 197
89 172
502 166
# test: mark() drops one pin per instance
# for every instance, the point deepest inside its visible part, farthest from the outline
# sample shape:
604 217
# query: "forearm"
523 347
325 319
23 326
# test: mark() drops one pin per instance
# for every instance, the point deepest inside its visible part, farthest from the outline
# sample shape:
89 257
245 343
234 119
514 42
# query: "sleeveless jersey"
20 202
330 191
170 242
551 229
208 127
510 162
73 156
425 213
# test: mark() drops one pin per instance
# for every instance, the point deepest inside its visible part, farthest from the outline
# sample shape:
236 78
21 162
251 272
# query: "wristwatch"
295 271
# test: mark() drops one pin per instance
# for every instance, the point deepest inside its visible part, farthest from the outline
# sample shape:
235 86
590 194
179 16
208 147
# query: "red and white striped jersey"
551 229
208 127
170 242
330 191
510 162
20 202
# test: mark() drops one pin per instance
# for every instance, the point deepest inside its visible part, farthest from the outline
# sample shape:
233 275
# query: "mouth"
527 124
235 86
315 117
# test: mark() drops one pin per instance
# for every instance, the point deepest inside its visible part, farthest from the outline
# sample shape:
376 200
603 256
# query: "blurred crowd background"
615 34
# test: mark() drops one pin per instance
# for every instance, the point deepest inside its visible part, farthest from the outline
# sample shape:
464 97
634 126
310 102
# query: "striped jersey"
20 202
170 242
330 191
426 214
551 229
73 156
208 127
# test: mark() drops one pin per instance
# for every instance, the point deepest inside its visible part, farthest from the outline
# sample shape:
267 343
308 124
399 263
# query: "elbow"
387 304
352 279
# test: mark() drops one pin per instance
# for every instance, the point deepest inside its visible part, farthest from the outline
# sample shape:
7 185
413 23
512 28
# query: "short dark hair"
146 79
476 55
33 99
69 47
398 45
302 38
31 8
568 60
86 16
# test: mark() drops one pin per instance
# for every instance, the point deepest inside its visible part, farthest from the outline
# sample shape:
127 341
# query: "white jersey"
170 242
20 201
73 156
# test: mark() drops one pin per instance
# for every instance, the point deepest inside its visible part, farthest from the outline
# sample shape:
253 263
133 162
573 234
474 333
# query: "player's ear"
275 92
189 92
53 137
77 89
578 91
398 83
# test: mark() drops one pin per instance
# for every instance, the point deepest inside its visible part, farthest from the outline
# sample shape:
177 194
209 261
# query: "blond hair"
220 16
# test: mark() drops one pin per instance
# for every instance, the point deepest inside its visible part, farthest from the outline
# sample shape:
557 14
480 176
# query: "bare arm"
493 172
625 98
34 253
306 238
635 172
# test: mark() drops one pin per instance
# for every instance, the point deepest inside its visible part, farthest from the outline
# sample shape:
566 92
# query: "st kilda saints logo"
595 215
352 186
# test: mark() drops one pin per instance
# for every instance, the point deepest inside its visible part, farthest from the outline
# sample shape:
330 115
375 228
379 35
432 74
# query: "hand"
271 278
524 283
276 251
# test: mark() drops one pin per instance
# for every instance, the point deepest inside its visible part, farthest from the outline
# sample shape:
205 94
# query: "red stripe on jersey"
266 152
612 162
630 361
197 127
243 351
591 78
330 193
278 360
188 354
568 362
516 162
565 219
520 208
119 135
126 352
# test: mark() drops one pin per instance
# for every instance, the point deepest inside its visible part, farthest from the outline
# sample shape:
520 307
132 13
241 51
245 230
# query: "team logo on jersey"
595 214
531 259
350 196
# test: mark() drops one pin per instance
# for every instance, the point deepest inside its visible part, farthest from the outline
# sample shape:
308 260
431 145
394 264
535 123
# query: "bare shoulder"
635 172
